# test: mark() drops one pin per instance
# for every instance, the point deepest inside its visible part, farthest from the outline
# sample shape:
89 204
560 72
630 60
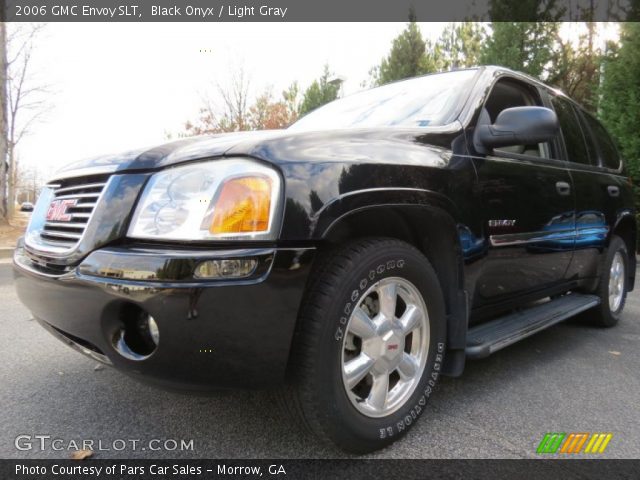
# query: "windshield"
419 102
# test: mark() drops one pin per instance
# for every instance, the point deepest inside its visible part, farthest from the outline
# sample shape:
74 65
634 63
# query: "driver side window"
509 93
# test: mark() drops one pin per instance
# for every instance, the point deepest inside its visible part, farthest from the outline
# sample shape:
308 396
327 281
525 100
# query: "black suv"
351 259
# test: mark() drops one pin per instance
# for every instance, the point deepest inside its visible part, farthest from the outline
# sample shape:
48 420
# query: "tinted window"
592 147
571 131
419 102
608 151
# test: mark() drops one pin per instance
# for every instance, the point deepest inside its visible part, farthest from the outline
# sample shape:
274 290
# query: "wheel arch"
626 228
433 231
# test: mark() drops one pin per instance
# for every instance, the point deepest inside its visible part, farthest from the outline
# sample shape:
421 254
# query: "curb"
6 252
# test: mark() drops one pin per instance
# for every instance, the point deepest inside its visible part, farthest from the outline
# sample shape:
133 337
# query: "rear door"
594 167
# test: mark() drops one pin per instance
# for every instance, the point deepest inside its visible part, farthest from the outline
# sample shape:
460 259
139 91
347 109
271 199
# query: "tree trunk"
12 176
3 123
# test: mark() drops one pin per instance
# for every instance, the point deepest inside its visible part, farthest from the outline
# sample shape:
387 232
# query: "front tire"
369 346
613 286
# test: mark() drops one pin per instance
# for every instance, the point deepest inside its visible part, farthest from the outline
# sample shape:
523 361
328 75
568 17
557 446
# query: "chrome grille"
70 231
60 217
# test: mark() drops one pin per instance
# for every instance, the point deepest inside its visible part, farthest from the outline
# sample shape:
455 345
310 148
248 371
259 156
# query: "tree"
292 101
3 124
525 46
577 68
233 113
268 114
262 111
236 114
27 99
620 98
23 103
29 182
459 46
320 92
407 56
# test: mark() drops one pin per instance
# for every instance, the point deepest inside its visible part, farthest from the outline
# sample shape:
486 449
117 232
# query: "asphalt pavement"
569 378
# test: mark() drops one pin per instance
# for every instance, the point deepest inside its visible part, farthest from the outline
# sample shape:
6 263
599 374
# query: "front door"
526 200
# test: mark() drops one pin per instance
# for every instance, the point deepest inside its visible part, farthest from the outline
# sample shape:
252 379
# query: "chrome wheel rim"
616 282
385 348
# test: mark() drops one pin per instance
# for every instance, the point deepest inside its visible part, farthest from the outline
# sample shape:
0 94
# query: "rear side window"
592 147
608 150
571 131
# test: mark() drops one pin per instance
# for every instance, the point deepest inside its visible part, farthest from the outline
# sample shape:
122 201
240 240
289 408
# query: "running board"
494 335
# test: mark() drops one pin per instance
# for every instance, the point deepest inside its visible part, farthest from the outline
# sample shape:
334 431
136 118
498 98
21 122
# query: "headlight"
220 199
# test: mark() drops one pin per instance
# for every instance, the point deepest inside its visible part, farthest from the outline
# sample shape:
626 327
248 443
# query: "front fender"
429 228
348 204
325 193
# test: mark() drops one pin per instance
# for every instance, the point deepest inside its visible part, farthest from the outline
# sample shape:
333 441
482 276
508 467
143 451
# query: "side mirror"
517 126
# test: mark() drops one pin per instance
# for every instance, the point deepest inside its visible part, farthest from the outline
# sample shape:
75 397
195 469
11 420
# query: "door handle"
563 188
613 191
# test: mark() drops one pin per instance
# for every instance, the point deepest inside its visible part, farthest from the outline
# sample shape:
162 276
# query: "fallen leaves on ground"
81 454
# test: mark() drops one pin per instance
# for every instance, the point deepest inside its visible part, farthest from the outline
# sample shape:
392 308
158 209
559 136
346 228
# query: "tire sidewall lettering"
401 420
363 284
421 402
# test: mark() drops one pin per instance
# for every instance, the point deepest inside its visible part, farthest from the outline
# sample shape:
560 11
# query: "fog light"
231 268
138 336
153 330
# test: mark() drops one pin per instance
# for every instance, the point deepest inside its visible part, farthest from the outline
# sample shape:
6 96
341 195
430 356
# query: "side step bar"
492 336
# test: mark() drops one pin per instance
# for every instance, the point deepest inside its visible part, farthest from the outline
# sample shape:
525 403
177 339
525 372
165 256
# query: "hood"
388 145
171 153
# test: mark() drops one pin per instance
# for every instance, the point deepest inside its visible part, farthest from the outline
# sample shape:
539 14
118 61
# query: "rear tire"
369 345
612 288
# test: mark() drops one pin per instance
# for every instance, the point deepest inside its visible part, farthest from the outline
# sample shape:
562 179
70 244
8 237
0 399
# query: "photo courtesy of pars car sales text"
153 470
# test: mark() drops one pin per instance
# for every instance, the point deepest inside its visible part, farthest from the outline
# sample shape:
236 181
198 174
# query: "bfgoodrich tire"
369 345
613 286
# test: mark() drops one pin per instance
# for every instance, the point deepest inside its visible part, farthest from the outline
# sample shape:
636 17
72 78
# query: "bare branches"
229 113
235 100
20 38
235 109
25 102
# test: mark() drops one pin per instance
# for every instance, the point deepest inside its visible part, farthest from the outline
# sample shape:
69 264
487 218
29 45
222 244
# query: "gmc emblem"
58 210
393 346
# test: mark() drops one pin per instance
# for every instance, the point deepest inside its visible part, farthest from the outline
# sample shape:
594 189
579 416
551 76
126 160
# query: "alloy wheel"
616 282
385 348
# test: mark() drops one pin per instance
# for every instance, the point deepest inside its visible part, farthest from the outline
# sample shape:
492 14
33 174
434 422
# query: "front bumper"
212 334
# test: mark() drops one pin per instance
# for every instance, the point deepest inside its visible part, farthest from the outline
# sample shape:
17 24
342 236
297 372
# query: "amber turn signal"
243 206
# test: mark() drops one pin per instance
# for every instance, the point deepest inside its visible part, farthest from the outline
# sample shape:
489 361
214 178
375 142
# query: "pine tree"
620 98
524 46
319 93
577 66
406 58
459 46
